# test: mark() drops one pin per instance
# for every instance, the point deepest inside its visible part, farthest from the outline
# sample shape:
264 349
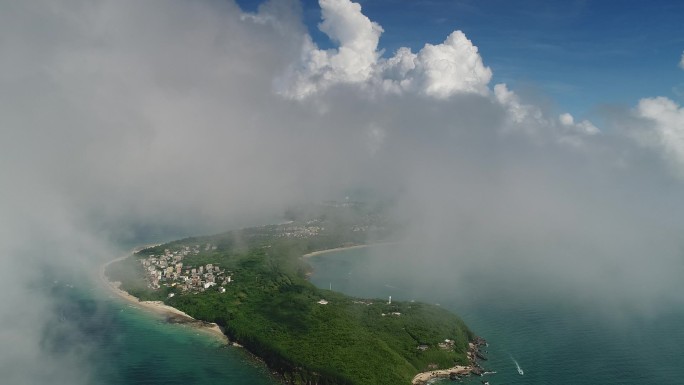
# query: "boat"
520 371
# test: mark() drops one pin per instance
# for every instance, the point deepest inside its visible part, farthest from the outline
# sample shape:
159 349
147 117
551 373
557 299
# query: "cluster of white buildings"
447 344
300 231
167 269
366 228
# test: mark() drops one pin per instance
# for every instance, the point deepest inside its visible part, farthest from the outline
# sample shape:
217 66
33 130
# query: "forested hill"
253 283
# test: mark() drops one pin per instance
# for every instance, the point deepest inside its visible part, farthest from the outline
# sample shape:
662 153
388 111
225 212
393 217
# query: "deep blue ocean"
555 340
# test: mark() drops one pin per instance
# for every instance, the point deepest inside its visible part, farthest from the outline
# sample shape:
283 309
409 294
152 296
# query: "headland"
253 285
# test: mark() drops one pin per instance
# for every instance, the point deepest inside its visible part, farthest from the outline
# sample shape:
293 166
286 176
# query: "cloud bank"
121 120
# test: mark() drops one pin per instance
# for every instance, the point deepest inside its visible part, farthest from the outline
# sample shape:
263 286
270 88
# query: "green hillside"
259 293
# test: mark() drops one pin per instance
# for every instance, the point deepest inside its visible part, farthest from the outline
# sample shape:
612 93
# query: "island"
253 285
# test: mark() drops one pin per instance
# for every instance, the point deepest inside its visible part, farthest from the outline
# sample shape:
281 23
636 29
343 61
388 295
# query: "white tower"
390 300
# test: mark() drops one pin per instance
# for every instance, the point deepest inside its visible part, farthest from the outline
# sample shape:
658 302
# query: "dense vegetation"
272 309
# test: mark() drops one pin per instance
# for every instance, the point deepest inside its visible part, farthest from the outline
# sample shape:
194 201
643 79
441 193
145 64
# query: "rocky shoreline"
457 372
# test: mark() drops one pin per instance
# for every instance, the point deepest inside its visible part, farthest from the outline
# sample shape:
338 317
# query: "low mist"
125 122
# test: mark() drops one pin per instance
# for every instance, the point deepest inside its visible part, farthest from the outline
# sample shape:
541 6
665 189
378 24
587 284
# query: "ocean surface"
554 339
129 345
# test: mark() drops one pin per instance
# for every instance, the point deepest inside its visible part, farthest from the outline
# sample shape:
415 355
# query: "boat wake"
520 371
517 365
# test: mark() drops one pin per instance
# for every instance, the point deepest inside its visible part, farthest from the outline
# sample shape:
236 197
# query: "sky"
583 54
122 121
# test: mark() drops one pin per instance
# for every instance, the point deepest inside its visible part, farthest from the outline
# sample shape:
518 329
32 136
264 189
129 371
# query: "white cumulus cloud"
532 120
666 129
353 62
441 70
584 127
517 111
438 71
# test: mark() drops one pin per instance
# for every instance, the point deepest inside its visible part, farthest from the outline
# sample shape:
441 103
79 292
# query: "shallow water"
128 345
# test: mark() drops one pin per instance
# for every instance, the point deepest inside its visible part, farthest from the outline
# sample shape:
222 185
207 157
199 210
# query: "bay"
555 338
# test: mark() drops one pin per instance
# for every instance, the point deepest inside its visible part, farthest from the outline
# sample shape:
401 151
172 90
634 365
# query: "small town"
293 231
167 269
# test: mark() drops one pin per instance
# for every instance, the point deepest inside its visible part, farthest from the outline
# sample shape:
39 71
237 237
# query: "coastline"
172 314
424 378
457 371
326 251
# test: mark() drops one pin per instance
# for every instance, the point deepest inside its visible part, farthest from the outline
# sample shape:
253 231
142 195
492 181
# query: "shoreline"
457 371
343 248
176 316
425 377
171 314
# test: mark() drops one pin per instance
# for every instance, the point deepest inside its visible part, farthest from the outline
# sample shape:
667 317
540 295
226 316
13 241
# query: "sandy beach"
176 316
157 307
321 252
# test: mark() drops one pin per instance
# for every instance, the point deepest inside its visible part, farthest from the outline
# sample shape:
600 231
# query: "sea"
554 340
127 344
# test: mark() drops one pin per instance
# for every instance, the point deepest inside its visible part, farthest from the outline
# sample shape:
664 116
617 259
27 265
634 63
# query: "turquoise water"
128 345
555 338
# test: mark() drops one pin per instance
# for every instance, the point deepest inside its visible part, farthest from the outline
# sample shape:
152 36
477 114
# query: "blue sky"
584 54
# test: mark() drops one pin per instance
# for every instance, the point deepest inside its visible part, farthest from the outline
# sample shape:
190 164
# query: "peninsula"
253 284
